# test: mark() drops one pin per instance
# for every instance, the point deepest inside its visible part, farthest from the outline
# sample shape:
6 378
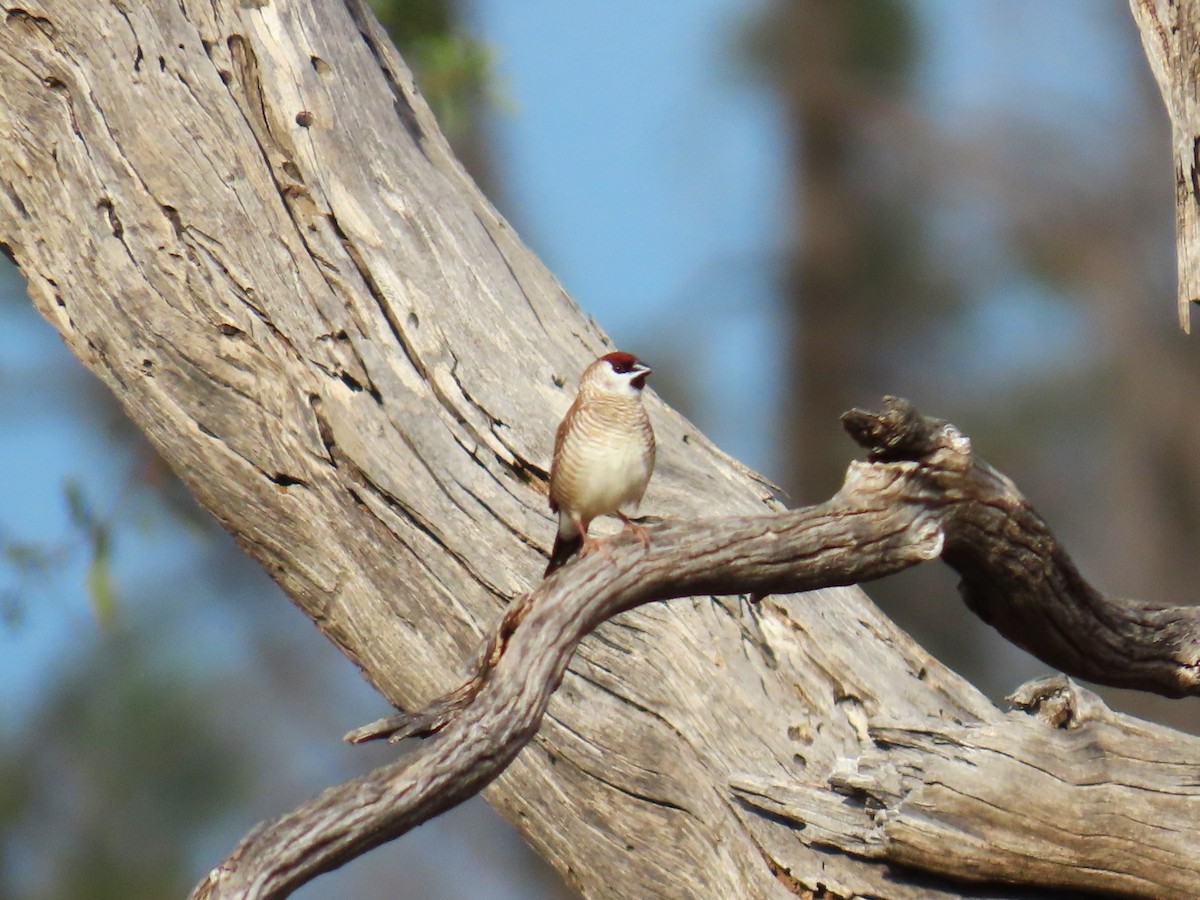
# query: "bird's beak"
642 369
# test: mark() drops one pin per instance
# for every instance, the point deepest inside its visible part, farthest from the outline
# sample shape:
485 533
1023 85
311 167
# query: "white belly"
616 476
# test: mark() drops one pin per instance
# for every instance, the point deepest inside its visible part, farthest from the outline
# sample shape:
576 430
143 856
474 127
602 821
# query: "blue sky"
646 165
640 158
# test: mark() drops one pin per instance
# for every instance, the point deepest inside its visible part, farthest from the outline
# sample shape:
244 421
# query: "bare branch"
921 494
1019 579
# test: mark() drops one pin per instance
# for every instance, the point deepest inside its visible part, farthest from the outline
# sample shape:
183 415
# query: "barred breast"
605 458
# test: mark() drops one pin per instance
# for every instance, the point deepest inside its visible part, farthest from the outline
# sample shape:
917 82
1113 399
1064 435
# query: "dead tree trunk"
1170 32
242 217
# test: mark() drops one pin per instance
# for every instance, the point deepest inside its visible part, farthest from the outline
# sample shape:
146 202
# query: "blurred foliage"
122 766
97 532
411 21
883 36
453 70
30 566
24 564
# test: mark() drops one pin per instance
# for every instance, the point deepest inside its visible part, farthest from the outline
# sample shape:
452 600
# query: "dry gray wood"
1170 31
242 217
860 534
1049 798
923 494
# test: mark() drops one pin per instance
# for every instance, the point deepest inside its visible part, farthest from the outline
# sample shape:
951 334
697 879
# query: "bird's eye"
621 363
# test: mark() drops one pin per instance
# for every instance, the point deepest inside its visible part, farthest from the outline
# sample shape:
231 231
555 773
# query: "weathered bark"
242 217
1054 798
1170 32
923 494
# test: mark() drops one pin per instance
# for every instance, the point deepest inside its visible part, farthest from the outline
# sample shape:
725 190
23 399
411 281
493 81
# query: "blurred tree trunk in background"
1104 444
861 293
855 266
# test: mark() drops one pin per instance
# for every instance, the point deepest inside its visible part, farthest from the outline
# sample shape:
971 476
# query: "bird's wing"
559 437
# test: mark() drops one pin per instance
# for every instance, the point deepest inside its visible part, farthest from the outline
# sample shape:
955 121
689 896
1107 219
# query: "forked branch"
921 494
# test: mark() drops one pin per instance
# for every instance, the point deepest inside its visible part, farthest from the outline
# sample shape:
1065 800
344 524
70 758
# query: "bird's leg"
591 544
588 543
642 533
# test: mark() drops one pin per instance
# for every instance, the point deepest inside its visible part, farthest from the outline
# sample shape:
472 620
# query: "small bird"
603 453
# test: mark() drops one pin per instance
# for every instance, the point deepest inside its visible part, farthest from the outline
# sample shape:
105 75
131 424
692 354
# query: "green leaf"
27 557
99 575
12 612
77 505
100 588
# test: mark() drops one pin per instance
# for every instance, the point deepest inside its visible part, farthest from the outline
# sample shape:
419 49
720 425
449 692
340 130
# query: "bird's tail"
565 546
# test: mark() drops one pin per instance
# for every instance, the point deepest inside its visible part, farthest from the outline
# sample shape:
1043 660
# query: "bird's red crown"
623 363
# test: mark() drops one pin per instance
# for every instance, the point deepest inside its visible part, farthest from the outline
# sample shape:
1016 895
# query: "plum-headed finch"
603 453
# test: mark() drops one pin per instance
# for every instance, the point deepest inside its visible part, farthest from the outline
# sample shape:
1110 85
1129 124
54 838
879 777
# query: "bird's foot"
595 545
642 534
